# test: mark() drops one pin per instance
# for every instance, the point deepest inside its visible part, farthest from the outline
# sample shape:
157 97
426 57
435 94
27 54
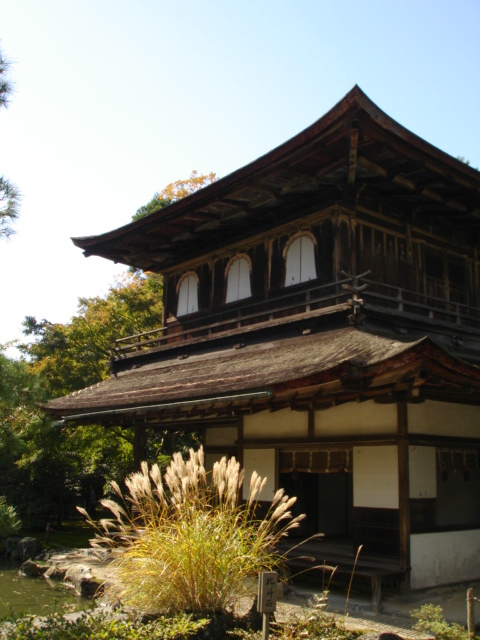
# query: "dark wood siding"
204 287
343 248
324 237
219 282
278 264
259 266
377 530
170 299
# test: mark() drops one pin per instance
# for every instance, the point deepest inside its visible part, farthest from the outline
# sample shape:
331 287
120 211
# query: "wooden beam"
311 423
403 485
404 182
240 439
433 195
352 156
332 167
371 167
458 206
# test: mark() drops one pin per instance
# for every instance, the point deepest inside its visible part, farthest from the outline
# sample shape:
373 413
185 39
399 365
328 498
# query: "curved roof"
353 147
330 367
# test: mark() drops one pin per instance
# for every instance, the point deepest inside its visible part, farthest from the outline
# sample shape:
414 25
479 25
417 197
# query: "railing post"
399 300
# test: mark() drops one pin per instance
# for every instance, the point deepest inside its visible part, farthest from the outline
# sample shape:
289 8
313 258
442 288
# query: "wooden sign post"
471 613
267 598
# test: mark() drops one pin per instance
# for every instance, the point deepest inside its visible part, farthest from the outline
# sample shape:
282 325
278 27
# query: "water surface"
35 595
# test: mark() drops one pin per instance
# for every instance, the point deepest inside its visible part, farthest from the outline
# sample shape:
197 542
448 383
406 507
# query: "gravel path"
296 603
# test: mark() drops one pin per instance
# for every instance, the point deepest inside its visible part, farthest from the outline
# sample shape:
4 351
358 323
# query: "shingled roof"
335 365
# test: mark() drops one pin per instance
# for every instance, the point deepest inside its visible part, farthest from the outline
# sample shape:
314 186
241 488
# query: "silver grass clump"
187 541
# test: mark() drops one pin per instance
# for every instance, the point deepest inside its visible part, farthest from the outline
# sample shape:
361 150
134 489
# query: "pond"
35 595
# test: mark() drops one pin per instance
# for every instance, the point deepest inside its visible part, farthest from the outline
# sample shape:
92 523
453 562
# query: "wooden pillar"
240 440
137 448
403 486
311 423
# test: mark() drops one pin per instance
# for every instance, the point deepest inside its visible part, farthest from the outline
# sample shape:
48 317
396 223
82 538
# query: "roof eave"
353 103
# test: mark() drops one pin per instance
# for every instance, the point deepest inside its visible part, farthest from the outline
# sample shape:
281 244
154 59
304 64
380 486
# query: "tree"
71 356
175 191
54 467
34 469
48 468
9 194
155 204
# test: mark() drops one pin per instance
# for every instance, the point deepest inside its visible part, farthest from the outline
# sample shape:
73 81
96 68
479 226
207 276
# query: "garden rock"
54 573
11 548
28 548
381 636
218 627
253 619
29 569
80 577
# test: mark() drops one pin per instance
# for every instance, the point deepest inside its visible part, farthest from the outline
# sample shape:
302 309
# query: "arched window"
299 254
238 278
187 290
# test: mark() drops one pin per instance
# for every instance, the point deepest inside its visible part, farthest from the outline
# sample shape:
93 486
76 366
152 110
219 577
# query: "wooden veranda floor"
333 562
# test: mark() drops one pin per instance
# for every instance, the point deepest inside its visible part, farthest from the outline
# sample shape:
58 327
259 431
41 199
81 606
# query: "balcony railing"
411 303
303 302
238 317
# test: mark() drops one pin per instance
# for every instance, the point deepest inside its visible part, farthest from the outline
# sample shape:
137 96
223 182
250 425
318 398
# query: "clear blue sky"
114 99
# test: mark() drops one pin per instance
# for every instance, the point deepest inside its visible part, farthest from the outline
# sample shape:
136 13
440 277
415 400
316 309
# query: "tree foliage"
9 194
6 87
175 191
72 356
32 468
183 188
155 204
467 162
47 468
9 521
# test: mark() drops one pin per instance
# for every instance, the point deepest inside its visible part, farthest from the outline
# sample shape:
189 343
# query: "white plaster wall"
444 419
276 424
375 477
440 558
422 472
263 462
220 436
354 418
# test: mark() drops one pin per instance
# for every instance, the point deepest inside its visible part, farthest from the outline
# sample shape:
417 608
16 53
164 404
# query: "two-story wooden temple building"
322 323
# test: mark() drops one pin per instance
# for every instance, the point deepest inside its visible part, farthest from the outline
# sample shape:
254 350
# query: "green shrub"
10 524
191 546
98 627
431 621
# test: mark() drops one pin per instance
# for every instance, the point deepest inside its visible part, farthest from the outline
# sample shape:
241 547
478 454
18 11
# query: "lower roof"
315 370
